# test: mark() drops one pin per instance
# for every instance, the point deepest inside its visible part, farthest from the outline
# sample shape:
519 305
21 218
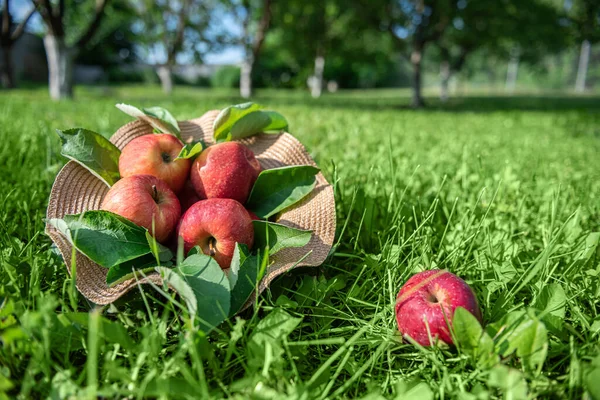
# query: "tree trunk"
317 81
445 78
246 78
165 74
6 68
511 72
416 61
60 67
584 59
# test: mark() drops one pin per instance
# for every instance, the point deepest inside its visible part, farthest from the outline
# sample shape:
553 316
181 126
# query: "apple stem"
154 193
211 247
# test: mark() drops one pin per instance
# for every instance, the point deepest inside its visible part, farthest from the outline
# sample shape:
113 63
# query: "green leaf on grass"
532 345
467 330
247 119
158 117
244 277
264 346
521 332
93 151
278 188
210 289
509 381
106 238
552 302
592 378
276 237
190 150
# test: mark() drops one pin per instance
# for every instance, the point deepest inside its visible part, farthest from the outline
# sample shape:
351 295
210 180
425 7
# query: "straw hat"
76 190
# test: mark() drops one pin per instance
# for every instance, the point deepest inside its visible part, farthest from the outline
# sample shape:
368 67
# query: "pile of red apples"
198 203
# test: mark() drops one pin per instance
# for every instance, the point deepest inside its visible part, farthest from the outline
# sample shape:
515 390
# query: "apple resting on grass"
155 155
226 171
216 225
141 198
432 296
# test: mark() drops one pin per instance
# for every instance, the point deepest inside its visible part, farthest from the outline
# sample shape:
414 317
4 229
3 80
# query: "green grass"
504 192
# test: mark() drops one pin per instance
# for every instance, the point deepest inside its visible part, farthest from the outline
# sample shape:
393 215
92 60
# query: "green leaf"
135 268
551 302
240 254
532 345
104 237
247 119
486 354
264 346
93 151
176 281
588 247
520 332
158 117
414 390
229 116
510 381
276 237
244 277
592 378
467 329
257 122
278 188
278 122
210 287
190 150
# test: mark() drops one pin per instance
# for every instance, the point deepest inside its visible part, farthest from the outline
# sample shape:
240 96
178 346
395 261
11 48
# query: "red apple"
187 196
432 296
143 198
225 171
216 225
155 155
253 216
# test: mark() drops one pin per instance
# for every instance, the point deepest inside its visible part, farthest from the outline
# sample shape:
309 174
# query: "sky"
230 55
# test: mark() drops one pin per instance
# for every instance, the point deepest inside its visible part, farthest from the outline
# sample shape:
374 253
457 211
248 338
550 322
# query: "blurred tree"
255 18
9 34
170 30
413 25
69 28
309 42
115 43
509 29
314 29
584 18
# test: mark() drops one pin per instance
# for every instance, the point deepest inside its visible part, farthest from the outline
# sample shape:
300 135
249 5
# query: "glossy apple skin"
154 155
225 171
423 296
133 198
225 222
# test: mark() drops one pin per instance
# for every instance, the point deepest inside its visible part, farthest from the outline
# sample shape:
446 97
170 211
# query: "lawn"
504 192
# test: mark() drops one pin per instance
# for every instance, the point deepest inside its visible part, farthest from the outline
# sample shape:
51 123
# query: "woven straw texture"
76 190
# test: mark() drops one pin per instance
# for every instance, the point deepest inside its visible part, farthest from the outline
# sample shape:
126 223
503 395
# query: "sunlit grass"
503 192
